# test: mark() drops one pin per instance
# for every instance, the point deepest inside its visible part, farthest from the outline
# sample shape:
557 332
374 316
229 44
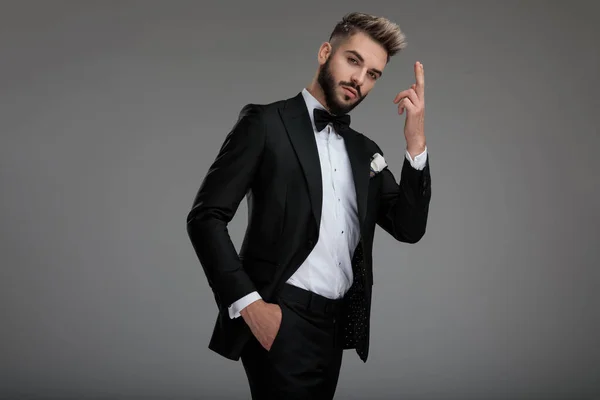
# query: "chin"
345 98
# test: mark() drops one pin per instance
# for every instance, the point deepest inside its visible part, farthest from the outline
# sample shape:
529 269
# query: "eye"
353 60
373 75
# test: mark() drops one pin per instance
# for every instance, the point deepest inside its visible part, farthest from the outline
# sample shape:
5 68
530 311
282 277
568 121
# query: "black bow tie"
322 118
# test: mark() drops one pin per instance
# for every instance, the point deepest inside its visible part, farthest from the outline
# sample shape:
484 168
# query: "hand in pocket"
264 320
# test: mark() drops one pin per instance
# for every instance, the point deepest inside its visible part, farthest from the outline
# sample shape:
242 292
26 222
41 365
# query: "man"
299 292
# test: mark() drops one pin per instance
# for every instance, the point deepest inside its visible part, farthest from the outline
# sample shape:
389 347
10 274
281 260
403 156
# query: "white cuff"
419 161
239 305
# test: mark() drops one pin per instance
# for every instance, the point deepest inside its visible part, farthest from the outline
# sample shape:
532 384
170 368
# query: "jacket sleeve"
226 183
404 207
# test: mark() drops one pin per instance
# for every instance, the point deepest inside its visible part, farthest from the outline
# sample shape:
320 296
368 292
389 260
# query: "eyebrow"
363 60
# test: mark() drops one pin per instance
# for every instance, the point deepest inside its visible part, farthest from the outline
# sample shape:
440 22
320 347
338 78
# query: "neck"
317 92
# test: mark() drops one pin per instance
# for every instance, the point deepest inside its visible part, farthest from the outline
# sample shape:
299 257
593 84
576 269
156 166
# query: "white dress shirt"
328 268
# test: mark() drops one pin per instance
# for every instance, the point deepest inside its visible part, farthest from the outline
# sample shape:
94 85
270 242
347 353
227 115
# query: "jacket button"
311 243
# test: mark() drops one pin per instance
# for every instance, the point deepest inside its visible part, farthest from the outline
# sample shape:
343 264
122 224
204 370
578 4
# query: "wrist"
414 149
251 308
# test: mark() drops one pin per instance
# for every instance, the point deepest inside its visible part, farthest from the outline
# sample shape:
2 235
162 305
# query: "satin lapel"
299 129
360 160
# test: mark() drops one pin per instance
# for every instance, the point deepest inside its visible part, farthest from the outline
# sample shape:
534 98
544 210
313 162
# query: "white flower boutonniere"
377 164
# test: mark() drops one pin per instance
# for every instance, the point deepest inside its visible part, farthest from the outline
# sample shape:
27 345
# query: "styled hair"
380 29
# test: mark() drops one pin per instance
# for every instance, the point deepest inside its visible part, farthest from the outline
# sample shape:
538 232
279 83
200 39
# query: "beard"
328 85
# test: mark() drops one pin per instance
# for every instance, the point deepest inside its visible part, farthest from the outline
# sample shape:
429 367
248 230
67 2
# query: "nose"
359 77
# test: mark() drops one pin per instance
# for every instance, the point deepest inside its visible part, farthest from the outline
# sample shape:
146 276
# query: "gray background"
111 112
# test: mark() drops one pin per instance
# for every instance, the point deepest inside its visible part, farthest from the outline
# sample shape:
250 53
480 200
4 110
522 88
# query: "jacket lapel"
360 160
300 131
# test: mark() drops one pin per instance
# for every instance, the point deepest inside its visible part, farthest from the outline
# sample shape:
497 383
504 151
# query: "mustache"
353 86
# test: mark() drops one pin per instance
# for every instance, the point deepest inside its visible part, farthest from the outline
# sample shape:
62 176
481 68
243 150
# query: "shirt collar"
311 104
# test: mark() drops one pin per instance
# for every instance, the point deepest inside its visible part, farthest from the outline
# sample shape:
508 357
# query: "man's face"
349 74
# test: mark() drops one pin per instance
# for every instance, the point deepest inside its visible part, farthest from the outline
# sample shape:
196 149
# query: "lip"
350 91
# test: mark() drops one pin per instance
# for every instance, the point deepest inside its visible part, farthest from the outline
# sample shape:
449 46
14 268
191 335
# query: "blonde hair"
380 29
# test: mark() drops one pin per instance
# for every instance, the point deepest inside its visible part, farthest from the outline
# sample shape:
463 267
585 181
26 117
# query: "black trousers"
305 359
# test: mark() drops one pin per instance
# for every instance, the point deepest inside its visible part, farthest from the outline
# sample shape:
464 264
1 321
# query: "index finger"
420 77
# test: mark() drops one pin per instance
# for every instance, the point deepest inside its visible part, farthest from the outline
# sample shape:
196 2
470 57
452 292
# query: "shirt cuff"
419 161
239 305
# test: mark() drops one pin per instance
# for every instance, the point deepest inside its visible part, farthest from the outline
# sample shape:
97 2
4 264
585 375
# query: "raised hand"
413 101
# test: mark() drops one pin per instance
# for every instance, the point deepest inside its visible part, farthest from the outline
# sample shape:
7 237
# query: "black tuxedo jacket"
271 157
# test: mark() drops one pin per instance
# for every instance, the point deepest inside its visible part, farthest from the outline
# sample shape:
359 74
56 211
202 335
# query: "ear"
324 52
